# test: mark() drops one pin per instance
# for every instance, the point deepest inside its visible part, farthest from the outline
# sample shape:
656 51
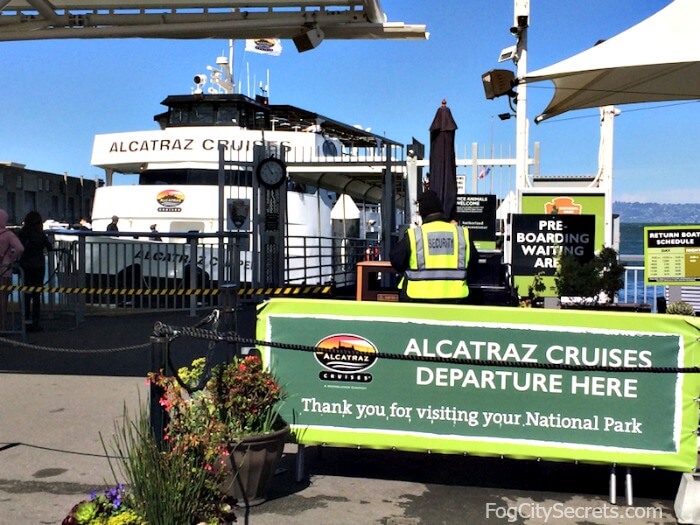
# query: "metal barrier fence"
634 290
185 271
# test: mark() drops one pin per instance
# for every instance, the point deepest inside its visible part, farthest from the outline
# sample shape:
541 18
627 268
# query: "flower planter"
255 459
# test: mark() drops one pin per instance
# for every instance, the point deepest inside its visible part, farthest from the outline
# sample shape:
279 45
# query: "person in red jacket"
10 250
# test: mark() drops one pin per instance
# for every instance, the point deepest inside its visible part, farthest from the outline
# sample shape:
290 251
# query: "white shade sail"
653 61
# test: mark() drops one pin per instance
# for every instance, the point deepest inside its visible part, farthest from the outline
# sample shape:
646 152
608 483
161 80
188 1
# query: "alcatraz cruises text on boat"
334 176
187 144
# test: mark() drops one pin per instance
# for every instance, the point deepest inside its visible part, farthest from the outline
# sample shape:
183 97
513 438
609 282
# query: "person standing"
11 249
154 233
112 226
436 258
33 263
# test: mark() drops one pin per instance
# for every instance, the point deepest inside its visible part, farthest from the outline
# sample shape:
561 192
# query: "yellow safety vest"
438 263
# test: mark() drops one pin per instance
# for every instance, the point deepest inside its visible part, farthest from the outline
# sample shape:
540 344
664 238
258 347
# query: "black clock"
271 172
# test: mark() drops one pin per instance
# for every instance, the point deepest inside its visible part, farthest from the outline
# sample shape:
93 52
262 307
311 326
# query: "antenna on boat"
230 58
220 76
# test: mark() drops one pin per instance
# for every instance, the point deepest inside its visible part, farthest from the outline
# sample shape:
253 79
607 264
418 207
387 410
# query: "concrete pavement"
56 403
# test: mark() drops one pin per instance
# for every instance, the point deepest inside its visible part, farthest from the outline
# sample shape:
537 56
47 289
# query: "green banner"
390 376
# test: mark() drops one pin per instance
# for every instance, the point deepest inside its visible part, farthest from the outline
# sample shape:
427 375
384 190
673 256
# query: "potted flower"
111 507
233 420
164 486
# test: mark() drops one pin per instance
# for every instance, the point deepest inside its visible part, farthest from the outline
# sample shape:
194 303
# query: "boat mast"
230 63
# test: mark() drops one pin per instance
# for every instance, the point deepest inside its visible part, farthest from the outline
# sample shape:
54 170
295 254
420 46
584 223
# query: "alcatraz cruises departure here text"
521 380
590 384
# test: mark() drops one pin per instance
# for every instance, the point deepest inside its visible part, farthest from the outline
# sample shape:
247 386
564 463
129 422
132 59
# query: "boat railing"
324 260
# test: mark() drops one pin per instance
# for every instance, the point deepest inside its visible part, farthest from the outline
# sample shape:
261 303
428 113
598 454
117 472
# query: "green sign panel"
392 375
562 204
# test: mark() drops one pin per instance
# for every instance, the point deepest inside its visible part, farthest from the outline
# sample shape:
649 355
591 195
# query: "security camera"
200 79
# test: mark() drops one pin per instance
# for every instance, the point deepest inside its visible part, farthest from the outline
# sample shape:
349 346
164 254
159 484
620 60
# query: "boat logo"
346 358
170 200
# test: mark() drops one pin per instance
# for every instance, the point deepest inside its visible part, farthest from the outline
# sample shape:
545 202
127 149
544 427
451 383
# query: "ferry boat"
196 177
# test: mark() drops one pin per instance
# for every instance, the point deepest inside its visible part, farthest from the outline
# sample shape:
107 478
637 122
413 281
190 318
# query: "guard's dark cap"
429 203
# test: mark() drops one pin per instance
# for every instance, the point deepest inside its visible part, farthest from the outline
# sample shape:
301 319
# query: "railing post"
82 280
160 346
194 270
230 312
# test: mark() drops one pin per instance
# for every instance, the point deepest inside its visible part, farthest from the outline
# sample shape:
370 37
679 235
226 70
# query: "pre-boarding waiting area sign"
672 255
389 376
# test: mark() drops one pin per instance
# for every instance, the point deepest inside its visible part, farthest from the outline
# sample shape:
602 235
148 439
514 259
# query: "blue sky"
59 94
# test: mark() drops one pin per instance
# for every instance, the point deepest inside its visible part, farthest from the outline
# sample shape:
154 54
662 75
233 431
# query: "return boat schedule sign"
388 375
672 255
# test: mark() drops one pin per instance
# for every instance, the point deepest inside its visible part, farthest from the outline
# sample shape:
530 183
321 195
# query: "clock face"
271 172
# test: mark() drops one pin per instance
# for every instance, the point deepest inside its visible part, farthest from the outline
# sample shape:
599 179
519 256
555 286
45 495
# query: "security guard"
436 258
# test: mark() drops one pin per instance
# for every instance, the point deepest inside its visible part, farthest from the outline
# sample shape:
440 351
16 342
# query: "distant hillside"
652 212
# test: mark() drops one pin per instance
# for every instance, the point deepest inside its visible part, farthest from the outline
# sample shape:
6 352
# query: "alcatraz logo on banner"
346 358
539 240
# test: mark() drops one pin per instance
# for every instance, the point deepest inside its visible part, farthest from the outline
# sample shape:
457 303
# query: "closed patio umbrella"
443 164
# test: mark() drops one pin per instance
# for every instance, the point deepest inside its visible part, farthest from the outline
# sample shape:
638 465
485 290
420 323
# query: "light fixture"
505 116
498 82
308 40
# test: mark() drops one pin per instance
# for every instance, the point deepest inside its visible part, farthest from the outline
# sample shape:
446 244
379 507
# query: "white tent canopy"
653 61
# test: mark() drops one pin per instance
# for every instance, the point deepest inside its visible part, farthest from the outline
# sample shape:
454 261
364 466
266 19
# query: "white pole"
521 21
607 127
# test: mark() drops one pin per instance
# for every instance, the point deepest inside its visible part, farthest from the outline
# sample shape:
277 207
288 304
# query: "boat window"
194 177
202 114
259 120
177 117
227 116
301 187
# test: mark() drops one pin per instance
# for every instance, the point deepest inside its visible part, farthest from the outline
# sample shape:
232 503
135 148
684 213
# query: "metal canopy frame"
350 136
191 19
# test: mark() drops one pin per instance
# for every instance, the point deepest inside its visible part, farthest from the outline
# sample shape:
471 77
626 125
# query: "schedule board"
393 375
672 255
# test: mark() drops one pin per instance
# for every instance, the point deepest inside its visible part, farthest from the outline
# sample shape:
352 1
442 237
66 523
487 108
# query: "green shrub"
680 308
602 274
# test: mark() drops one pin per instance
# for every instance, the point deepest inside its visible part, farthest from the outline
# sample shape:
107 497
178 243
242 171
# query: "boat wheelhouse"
196 175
